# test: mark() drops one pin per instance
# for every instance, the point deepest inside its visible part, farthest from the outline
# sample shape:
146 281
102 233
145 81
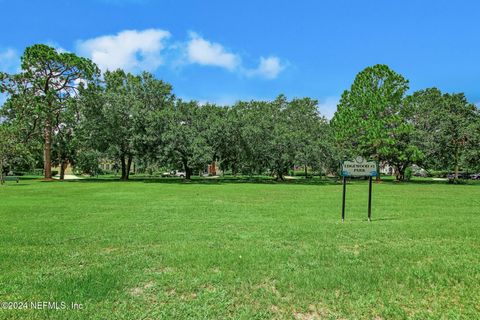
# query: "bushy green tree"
48 78
312 142
254 133
272 136
425 111
11 148
65 141
123 118
185 138
265 142
88 162
471 154
457 129
371 121
447 129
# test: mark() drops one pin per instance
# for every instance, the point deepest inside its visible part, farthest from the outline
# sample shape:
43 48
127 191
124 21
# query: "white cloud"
328 106
208 53
135 51
9 61
130 50
268 68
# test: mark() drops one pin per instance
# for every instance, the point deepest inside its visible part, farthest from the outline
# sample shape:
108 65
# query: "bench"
11 178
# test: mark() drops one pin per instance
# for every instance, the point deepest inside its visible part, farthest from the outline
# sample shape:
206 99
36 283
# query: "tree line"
61 110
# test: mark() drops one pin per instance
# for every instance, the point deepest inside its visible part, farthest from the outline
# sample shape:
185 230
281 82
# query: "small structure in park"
213 169
359 167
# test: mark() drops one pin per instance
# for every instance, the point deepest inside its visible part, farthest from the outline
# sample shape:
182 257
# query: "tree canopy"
371 119
61 111
39 92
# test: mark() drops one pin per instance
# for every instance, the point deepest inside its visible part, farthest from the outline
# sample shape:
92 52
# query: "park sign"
359 167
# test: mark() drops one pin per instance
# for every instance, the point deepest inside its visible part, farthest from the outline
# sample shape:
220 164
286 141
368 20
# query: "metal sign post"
343 200
359 167
370 199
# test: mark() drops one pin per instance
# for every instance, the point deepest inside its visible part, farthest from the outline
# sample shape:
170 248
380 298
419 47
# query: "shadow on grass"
216 181
385 219
254 180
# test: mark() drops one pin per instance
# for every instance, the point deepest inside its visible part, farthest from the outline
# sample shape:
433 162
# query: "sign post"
359 167
343 199
370 199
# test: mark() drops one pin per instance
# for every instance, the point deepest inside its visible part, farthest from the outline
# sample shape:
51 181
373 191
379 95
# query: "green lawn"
141 250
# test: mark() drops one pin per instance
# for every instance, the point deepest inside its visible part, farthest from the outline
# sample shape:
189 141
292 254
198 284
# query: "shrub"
408 174
457 181
88 163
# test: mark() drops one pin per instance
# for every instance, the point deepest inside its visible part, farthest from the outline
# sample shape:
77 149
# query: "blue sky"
222 51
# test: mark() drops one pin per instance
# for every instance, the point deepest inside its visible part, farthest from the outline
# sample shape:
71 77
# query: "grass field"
142 250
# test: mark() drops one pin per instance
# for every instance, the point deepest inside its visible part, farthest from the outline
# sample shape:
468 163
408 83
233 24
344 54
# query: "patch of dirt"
274 309
109 249
313 313
337 293
278 312
269 286
209 288
355 250
189 296
171 292
141 290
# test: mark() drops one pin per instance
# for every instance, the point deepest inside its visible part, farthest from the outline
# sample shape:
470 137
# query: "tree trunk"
400 174
188 170
306 172
47 151
280 175
124 168
2 181
63 165
188 173
129 165
378 178
457 169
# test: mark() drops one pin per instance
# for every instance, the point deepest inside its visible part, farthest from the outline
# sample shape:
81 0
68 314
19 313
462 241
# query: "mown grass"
142 250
